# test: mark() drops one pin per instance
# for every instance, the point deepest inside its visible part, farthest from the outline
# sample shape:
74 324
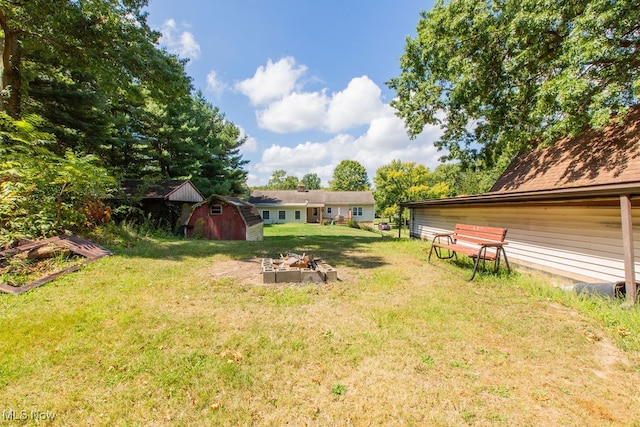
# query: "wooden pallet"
75 244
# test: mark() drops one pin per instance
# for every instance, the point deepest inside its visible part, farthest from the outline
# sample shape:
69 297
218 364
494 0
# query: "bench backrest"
478 234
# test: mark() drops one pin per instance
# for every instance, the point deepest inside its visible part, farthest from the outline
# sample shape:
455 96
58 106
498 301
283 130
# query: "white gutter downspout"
629 259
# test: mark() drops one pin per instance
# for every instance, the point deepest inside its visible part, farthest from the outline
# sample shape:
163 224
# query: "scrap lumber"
67 242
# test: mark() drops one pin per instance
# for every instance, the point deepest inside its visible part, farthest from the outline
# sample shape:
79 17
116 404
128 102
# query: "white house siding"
255 232
580 242
368 212
290 214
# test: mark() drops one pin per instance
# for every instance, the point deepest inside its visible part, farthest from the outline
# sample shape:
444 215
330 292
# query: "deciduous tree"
349 175
499 75
311 181
281 181
403 181
41 193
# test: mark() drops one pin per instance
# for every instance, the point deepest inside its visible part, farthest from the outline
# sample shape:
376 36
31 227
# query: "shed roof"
311 197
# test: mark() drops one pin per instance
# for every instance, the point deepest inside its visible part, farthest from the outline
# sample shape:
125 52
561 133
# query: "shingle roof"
246 209
607 156
277 197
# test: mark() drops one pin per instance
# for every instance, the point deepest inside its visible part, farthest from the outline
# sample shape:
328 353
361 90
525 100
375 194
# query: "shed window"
282 215
329 210
215 210
265 214
297 214
357 211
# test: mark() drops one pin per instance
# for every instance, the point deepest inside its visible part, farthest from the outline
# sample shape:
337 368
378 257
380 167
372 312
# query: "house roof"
169 189
596 164
316 198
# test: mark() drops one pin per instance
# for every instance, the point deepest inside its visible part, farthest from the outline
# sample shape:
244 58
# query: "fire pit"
296 268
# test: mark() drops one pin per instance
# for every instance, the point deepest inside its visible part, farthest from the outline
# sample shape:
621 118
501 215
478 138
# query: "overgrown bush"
43 193
353 224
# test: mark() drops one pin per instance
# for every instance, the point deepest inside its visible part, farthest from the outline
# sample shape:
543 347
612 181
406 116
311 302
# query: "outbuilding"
168 201
570 208
224 218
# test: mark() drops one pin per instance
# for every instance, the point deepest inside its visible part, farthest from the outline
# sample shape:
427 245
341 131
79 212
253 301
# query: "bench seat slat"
468 250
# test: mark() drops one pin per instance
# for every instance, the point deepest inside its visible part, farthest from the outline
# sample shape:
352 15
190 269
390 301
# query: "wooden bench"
477 242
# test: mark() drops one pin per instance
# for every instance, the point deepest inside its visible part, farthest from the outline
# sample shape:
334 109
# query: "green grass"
159 334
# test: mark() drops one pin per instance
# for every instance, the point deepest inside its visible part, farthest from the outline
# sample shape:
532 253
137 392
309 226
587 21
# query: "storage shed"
168 201
571 209
224 218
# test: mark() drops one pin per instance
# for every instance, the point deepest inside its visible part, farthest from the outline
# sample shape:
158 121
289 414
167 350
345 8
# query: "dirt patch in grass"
249 272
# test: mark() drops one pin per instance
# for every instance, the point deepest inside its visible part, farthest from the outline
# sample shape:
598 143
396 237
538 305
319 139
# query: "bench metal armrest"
438 236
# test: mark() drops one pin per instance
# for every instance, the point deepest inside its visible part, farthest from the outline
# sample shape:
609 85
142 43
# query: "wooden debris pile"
296 268
65 246
296 261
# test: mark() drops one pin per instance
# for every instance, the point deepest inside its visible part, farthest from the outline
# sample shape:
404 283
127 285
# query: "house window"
215 210
357 211
328 210
282 215
297 214
265 214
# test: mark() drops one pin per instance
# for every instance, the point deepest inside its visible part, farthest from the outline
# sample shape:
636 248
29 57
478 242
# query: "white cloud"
184 44
254 180
214 84
294 113
384 141
272 82
250 145
286 108
358 104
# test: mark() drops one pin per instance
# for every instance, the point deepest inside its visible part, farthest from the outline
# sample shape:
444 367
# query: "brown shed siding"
226 226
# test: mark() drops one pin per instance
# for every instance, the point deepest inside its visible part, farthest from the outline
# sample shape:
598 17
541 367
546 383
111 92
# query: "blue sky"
303 79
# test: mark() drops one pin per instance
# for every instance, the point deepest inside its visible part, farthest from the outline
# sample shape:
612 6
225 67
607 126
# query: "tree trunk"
11 64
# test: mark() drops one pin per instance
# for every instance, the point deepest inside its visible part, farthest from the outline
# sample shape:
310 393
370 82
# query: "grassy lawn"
182 332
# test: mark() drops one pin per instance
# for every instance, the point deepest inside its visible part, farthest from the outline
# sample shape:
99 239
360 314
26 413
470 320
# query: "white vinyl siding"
274 214
367 212
580 242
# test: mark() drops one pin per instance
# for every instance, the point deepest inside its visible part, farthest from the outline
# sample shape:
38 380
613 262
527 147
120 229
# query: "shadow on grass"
332 248
462 267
